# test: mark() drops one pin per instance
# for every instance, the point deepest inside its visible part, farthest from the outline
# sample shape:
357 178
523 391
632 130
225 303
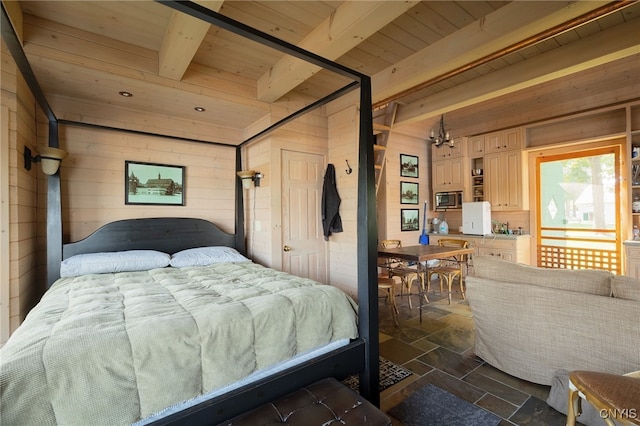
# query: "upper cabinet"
506 140
505 171
448 175
475 146
489 167
444 152
448 167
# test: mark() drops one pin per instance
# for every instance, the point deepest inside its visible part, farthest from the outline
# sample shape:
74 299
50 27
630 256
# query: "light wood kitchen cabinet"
506 140
448 175
445 152
504 254
503 180
475 146
510 248
632 260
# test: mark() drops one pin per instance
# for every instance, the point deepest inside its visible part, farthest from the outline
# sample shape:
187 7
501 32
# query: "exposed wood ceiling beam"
497 31
549 33
67 46
349 25
181 40
615 43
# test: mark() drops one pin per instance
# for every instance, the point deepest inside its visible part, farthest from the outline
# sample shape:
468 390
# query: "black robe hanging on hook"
331 221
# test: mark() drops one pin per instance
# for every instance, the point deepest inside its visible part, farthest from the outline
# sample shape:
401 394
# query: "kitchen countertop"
491 236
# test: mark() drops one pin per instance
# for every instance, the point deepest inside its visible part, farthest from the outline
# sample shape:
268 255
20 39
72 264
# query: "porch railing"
580 248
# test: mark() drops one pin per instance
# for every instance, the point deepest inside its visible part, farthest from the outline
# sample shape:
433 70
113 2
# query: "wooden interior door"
303 251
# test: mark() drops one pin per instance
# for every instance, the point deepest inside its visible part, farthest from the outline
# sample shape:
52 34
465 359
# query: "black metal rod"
214 18
240 238
140 132
317 104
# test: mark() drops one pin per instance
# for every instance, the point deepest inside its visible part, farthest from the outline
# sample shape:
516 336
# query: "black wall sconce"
249 176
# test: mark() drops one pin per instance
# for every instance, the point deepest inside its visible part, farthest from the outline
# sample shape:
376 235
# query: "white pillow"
203 256
120 261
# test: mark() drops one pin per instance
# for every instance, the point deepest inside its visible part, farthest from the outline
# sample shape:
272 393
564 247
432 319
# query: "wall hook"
349 169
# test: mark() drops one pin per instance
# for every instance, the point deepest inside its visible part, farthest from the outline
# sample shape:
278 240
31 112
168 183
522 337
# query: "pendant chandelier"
442 138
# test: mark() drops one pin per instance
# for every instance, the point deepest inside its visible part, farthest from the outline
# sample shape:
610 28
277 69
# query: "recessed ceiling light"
200 109
126 94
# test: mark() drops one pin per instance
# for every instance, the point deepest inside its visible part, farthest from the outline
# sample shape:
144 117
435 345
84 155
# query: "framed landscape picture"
409 220
408 166
153 184
408 193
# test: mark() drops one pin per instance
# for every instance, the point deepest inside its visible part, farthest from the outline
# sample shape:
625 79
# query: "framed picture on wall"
408 166
408 193
153 184
409 220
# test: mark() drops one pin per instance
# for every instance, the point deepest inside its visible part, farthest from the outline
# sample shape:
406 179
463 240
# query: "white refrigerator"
476 218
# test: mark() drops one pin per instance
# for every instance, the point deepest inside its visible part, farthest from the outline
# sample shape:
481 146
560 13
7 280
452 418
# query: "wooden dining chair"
387 286
450 268
399 268
612 395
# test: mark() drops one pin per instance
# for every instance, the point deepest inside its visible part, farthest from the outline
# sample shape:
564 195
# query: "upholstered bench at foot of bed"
325 402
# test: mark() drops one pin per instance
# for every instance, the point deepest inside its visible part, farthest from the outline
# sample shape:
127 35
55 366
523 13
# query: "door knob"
287 248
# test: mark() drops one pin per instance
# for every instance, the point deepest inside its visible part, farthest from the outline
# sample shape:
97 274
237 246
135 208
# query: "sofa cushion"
624 287
581 280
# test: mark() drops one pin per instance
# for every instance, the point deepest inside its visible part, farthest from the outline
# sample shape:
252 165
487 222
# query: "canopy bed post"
54 215
367 248
240 238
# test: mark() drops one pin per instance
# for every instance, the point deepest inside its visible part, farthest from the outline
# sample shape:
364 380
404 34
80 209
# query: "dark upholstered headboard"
166 234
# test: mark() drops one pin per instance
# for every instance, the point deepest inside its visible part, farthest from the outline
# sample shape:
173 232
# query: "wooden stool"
617 397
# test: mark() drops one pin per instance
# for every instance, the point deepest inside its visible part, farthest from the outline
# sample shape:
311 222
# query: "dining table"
421 254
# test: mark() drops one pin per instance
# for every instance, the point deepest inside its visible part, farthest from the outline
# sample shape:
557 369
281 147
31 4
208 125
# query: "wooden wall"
401 143
93 178
263 205
344 128
18 289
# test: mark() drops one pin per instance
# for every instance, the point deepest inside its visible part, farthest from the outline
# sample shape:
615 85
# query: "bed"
150 341
344 356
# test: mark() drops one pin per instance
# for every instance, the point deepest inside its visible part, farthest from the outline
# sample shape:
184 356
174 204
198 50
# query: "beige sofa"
531 322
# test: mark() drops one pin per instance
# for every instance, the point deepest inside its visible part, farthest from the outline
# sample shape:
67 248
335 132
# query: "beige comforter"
114 348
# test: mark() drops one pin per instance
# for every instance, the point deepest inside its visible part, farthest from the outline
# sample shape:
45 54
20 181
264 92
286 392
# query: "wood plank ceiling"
430 57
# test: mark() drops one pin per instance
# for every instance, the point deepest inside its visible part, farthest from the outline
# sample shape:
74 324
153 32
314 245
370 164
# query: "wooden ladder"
383 119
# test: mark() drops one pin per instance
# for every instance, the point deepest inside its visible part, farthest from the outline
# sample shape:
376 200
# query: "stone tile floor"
440 351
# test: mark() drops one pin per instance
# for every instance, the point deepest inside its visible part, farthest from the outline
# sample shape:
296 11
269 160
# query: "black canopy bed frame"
359 356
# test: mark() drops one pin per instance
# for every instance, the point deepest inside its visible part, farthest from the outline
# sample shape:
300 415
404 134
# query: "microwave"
448 200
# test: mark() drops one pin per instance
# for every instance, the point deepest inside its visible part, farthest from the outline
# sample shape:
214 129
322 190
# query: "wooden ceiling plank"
45 32
128 67
500 29
140 22
478 9
16 16
351 23
607 46
181 41
99 113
